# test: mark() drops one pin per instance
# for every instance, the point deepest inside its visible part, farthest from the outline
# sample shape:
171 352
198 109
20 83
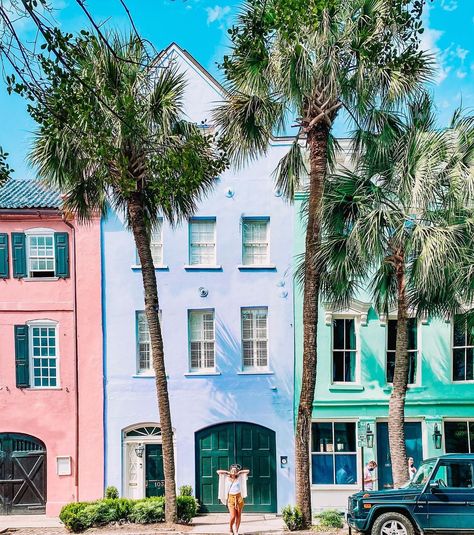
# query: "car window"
423 473
454 475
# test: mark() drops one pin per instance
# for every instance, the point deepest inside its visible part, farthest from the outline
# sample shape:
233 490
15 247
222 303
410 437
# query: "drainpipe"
76 360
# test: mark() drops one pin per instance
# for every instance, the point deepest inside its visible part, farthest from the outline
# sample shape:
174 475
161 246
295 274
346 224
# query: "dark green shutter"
61 245
4 269
21 356
19 254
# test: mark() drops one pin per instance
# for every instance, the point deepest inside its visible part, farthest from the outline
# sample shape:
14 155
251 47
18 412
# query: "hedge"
80 516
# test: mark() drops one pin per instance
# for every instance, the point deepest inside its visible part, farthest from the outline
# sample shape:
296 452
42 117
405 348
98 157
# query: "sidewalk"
251 523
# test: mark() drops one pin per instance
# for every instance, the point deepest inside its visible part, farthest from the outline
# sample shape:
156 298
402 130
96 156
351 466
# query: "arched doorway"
143 462
22 474
250 445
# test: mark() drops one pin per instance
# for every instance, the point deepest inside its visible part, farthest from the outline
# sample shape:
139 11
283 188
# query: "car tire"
392 524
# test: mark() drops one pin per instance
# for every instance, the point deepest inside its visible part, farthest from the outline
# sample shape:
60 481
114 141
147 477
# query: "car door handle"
470 503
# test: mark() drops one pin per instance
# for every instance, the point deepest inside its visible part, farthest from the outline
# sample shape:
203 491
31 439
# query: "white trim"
393 315
40 231
355 308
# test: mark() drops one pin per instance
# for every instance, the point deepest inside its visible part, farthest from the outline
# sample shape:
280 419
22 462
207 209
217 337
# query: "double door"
22 475
253 447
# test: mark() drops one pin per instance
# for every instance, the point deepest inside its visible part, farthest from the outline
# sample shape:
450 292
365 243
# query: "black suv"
439 500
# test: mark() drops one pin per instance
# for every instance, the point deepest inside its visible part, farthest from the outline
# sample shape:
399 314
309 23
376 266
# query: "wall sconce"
139 450
369 436
283 461
437 437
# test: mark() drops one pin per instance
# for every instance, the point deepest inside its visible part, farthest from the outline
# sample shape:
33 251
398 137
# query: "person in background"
411 468
370 476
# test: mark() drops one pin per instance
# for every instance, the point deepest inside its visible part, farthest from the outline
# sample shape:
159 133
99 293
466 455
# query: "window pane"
456 438
202 242
43 362
254 242
459 331
322 437
390 365
201 333
350 341
412 367
338 334
412 333
349 366
392 335
459 367
455 475
346 469
345 436
338 366
323 469
469 364
471 436
254 337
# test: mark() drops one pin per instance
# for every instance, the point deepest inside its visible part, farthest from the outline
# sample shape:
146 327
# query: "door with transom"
22 474
250 445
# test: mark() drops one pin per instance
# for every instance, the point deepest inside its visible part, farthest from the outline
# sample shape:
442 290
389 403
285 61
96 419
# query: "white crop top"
233 486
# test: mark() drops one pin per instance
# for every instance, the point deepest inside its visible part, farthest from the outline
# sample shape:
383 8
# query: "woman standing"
232 491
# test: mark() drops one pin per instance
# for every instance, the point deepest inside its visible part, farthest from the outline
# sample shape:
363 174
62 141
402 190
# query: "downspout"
76 360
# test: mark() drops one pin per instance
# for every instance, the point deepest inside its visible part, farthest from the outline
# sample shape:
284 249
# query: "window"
463 347
344 350
454 475
412 349
41 260
156 244
143 344
459 437
43 356
201 340
202 242
255 247
254 337
334 457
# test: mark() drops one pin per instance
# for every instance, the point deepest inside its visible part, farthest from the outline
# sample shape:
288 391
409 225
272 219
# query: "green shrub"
111 493
330 518
187 508
185 490
71 518
148 511
292 518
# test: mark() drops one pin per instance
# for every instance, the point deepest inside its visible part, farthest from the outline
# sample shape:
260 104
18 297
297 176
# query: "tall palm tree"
309 60
126 144
399 224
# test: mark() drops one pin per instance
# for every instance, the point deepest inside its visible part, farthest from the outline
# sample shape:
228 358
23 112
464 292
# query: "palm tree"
310 59
125 144
398 223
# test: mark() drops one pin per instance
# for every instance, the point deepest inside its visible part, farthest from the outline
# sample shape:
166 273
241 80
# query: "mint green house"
355 368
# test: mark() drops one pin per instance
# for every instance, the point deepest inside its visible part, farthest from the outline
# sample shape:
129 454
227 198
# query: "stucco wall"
200 401
49 414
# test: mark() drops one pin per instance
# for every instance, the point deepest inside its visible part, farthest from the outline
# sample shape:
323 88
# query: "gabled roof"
22 194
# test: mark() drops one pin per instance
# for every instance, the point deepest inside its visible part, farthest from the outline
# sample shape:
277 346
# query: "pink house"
51 371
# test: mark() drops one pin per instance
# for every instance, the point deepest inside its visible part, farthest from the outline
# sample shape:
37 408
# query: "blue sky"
200 26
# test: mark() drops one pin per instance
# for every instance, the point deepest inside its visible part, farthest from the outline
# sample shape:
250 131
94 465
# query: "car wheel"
392 524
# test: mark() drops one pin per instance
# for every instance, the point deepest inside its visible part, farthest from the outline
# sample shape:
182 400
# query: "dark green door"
155 477
253 447
22 475
414 448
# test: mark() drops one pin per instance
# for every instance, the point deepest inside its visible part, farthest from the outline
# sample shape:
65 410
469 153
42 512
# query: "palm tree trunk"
142 241
396 413
317 143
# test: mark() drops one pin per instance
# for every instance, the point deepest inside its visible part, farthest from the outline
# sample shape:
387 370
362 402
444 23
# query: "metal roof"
21 194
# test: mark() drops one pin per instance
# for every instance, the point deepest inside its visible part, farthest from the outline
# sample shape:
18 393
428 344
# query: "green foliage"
148 511
5 169
111 492
330 518
187 506
72 518
185 490
292 518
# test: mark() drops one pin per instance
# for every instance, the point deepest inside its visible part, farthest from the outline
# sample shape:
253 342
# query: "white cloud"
429 42
461 53
449 5
217 13
461 74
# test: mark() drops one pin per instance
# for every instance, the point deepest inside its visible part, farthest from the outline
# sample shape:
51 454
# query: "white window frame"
256 219
197 220
47 324
156 232
143 371
40 232
419 323
334 486
453 381
201 311
357 349
254 340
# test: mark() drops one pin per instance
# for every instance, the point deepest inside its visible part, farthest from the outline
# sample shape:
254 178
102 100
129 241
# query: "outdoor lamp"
369 435
437 436
139 450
